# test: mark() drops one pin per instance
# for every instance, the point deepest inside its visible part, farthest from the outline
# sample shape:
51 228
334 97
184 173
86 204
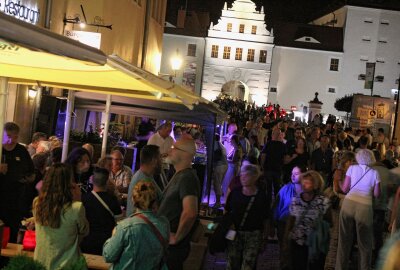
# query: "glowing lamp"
32 93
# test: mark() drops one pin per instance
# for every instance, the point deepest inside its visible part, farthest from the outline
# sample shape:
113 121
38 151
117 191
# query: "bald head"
182 152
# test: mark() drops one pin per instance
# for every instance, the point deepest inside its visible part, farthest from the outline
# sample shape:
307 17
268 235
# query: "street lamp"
176 62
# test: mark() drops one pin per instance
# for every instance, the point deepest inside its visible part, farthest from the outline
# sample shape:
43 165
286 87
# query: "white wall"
298 74
355 49
173 42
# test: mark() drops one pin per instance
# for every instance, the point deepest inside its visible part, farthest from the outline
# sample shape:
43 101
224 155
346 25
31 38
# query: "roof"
321 37
205 113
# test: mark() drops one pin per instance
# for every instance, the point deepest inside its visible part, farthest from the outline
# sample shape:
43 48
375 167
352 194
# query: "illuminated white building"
238 54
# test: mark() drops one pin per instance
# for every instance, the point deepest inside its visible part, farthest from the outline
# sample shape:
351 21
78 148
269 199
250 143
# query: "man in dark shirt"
322 158
180 202
272 157
101 220
16 177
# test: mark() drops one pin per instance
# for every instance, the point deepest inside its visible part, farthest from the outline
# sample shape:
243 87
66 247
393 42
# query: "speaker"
51 108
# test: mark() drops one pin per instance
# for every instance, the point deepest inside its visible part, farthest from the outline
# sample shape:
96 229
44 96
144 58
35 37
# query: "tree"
344 104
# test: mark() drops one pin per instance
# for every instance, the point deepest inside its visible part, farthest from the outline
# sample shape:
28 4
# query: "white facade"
238 51
191 51
370 35
298 73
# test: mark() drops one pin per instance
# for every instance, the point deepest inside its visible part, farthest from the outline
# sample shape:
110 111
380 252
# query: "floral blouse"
306 213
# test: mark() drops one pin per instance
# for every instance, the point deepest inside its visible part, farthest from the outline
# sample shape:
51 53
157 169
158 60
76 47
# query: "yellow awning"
31 67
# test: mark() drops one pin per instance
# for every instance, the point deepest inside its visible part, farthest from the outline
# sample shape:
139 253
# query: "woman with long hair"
298 156
60 220
79 159
360 185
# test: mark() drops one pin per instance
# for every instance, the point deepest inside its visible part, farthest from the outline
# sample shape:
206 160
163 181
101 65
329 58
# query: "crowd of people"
78 206
319 181
321 189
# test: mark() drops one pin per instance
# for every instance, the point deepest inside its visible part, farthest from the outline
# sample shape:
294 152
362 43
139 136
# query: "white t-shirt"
363 190
164 144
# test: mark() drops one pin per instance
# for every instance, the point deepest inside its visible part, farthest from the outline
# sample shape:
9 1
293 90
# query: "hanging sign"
92 39
369 75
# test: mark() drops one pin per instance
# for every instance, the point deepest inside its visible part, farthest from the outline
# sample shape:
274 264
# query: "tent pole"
106 126
67 127
3 101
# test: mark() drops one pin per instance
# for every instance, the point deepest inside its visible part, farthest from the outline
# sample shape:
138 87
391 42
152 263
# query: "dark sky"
279 10
276 10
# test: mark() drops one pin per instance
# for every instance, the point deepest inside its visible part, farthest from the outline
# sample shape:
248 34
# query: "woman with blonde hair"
60 220
360 184
304 212
140 241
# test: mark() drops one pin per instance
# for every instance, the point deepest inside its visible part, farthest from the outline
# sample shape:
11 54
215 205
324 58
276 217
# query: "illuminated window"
229 27
334 66
263 56
238 55
241 28
254 29
191 50
227 52
214 51
250 55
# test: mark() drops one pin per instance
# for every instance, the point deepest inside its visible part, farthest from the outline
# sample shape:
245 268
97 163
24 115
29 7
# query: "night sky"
302 11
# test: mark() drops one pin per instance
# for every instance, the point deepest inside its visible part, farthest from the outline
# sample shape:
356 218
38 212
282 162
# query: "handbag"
29 240
218 241
159 236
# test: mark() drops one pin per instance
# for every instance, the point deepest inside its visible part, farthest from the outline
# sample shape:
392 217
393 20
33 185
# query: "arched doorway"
236 89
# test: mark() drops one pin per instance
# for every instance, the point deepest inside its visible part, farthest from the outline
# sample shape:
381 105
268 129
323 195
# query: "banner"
369 75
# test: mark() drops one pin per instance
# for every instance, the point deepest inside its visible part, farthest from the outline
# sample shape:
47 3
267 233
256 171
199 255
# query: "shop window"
214 51
241 28
227 52
250 55
191 50
334 65
238 54
263 56
229 27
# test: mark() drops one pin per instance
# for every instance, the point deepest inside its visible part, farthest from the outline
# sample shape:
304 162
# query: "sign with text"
24 12
92 39
369 75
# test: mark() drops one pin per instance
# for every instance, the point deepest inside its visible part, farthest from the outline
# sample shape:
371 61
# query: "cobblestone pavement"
268 259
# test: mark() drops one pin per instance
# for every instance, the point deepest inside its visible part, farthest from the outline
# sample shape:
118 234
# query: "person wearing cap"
180 201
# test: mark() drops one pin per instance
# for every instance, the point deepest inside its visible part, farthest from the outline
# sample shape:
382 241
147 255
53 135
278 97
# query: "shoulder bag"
218 241
159 236
115 217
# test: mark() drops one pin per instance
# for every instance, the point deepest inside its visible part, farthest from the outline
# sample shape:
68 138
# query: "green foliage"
344 104
23 262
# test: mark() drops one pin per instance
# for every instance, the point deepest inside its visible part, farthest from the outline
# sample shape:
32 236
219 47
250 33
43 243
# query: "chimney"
180 22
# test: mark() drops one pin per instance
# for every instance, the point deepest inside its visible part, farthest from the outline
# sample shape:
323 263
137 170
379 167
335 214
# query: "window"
366 38
380 60
214 51
250 55
254 29
364 58
263 56
361 77
334 66
227 52
368 20
331 90
379 78
229 27
273 90
241 28
385 22
191 50
238 55
382 40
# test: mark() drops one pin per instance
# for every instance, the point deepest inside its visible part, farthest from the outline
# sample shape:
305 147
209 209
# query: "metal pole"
67 127
396 113
3 101
106 126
